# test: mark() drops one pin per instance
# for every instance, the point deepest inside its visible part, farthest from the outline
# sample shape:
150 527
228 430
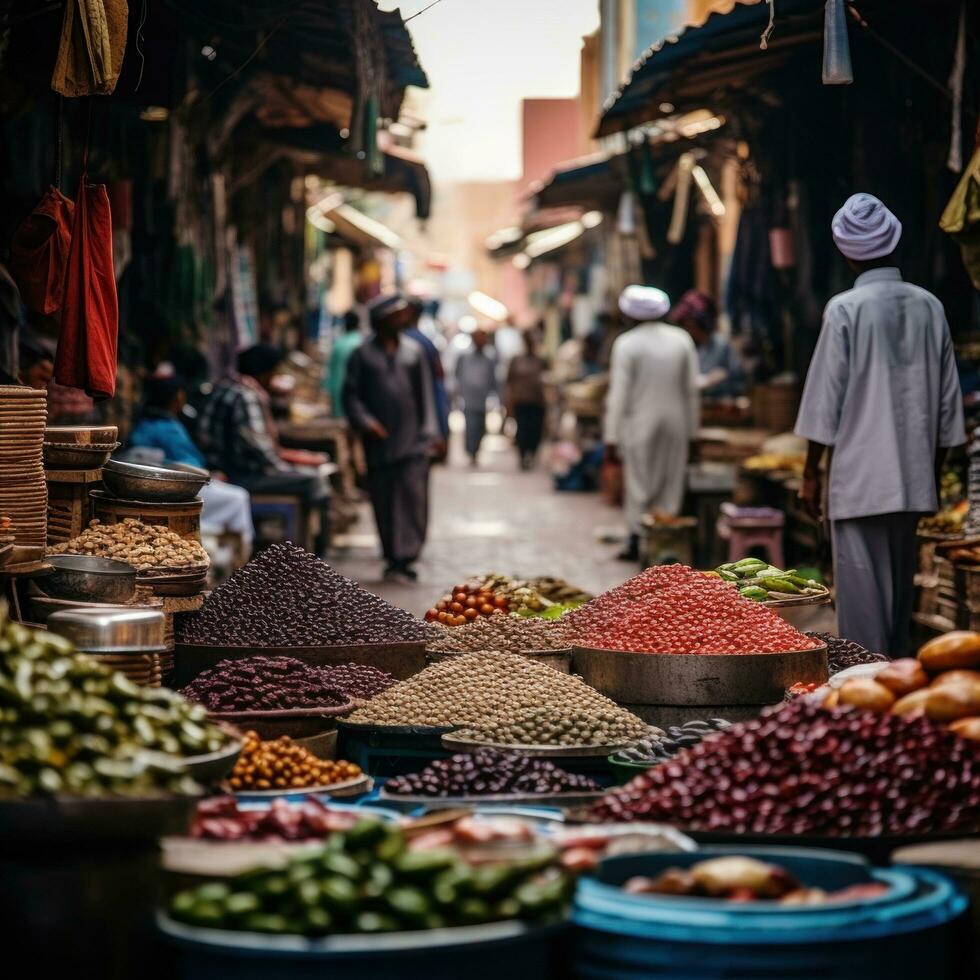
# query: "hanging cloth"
39 252
93 42
86 356
961 218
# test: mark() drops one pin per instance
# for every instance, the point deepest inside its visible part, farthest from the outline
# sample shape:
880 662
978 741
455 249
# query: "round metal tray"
346 787
401 660
514 799
698 679
457 743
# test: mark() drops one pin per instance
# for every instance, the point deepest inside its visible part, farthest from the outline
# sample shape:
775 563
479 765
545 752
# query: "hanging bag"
39 252
86 356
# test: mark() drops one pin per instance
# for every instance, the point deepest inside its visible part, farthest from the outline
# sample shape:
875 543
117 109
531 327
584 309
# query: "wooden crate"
183 518
69 506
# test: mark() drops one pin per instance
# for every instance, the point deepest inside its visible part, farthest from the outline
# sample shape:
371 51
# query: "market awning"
334 216
593 182
687 71
524 247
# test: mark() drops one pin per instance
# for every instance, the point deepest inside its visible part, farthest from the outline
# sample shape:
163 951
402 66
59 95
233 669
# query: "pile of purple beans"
262 684
287 597
801 769
359 681
490 772
842 653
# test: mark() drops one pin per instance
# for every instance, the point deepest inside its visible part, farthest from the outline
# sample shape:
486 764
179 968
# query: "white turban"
865 229
644 303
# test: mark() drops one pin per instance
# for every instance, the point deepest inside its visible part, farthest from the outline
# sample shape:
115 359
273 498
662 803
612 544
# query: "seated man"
239 436
162 438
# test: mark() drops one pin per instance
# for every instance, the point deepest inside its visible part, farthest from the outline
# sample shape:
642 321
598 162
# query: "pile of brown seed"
504 698
502 633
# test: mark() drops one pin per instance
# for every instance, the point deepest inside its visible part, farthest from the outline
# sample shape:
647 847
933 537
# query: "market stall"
312 798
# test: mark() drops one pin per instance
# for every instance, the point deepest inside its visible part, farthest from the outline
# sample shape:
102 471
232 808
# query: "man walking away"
388 400
525 399
652 408
476 381
883 395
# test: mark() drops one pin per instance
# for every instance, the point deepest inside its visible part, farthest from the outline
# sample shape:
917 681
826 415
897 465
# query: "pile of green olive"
68 725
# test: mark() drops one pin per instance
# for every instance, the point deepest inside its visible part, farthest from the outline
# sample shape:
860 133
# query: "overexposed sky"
482 57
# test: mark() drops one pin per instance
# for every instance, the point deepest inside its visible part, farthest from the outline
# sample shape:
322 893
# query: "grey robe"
883 393
395 389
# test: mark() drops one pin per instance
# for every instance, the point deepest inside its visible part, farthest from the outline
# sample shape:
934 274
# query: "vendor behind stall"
720 368
882 392
159 431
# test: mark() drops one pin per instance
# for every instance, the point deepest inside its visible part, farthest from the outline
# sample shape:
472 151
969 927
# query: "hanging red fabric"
86 356
39 251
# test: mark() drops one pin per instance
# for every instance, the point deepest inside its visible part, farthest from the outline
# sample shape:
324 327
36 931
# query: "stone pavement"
494 519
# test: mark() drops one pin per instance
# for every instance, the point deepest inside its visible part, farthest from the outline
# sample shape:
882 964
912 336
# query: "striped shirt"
237 432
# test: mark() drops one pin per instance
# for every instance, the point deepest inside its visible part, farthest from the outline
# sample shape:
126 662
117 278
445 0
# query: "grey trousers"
476 429
875 560
399 494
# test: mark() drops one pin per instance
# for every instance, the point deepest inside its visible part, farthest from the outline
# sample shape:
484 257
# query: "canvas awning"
687 71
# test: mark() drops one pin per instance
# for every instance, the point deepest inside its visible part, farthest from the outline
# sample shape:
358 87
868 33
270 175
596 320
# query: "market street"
494 518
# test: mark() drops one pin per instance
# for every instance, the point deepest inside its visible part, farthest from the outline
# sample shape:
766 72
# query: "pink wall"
552 134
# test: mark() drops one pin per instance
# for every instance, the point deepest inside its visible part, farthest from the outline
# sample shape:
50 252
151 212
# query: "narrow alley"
494 518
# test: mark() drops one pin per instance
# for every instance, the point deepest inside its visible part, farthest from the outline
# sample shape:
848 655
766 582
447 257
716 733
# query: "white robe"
652 414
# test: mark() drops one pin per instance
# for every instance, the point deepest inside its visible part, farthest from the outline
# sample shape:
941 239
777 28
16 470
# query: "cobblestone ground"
494 518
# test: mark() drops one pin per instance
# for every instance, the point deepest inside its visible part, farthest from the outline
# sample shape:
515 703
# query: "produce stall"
343 787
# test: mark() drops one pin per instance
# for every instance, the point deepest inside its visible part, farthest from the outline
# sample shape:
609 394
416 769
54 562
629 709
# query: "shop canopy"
593 182
696 68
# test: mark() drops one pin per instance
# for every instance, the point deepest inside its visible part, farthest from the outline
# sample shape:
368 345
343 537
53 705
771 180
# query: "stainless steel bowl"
84 577
73 456
156 484
109 631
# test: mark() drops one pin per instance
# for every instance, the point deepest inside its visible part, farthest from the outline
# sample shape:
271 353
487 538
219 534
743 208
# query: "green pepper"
341 864
754 592
473 911
408 903
781 585
365 833
265 922
338 894
309 893
375 922
318 921
423 864
728 576
205 914
242 903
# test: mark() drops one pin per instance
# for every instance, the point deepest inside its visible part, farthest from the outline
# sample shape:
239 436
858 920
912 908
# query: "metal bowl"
132 630
72 456
84 577
155 484
81 435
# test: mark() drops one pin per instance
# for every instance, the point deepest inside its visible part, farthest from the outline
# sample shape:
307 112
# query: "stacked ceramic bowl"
23 492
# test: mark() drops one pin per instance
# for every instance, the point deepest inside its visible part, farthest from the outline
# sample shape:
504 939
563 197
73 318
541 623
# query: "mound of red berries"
801 769
675 609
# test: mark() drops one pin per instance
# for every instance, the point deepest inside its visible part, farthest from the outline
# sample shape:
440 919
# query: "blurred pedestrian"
439 394
883 395
388 398
343 346
476 381
652 408
721 372
525 399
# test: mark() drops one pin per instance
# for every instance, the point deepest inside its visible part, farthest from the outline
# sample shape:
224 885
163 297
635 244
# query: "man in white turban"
652 408
882 395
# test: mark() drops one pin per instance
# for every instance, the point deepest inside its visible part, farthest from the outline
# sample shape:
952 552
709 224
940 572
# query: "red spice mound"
801 769
675 609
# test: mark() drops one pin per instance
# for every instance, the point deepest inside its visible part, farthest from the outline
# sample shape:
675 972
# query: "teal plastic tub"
907 932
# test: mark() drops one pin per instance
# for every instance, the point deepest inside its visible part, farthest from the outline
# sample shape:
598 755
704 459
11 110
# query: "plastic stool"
745 528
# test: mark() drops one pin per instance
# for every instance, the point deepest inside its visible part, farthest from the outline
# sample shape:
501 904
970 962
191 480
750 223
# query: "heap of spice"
262 684
281 764
801 769
490 772
287 597
506 634
359 681
143 545
504 698
675 609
